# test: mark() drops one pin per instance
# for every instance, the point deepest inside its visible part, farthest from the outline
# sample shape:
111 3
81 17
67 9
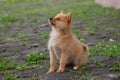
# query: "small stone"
90 44
112 75
35 45
111 40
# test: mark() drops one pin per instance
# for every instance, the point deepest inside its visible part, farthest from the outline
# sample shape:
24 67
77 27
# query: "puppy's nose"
51 18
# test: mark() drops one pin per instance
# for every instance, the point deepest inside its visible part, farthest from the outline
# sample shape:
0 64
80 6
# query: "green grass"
35 57
7 19
90 31
44 36
27 66
83 39
86 76
10 77
22 8
82 68
23 36
80 9
90 16
99 64
76 32
115 67
2 27
34 77
3 35
1 39
107 49
6 64
32 60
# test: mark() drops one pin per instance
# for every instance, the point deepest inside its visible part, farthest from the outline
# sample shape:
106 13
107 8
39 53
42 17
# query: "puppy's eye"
58 19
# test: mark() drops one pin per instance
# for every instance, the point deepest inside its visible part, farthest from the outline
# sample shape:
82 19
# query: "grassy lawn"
23 42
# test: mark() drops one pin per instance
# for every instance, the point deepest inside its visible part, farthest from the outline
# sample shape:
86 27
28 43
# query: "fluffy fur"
64 46
109 3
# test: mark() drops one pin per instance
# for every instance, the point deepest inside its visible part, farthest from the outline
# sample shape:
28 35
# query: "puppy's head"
61 21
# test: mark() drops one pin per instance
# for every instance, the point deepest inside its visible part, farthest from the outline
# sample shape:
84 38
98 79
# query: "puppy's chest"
55 40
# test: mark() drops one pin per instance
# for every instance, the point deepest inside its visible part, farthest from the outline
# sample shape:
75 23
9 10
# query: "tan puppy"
63 45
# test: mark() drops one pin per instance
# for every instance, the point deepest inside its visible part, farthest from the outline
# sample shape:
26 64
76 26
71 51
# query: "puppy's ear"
62 12
69 17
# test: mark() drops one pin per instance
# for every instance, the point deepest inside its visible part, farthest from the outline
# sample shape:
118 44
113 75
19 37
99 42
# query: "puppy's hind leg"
77 64
80 62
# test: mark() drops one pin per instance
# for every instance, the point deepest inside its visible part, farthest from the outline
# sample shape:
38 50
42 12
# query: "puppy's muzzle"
51 19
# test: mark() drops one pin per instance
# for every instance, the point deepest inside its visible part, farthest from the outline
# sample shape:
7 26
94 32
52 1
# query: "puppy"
63 45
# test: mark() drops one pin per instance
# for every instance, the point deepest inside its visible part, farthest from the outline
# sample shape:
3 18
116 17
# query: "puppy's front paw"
50 71
60 71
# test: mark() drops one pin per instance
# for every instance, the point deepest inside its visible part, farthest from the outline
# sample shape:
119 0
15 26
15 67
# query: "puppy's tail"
85 48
